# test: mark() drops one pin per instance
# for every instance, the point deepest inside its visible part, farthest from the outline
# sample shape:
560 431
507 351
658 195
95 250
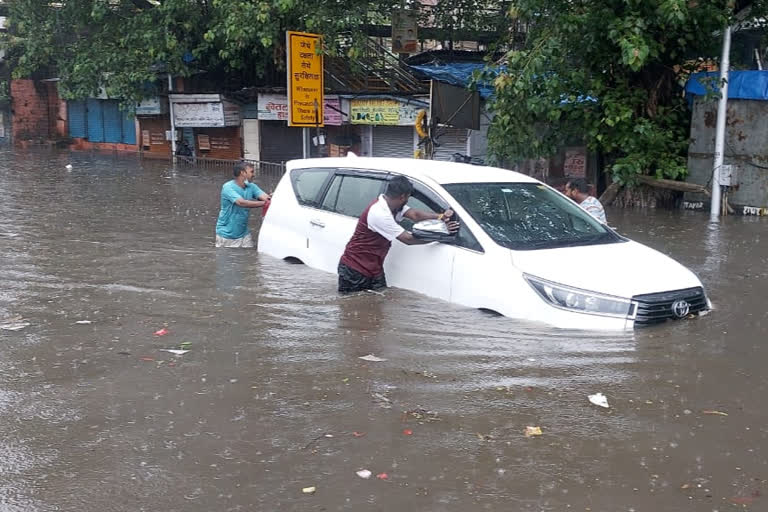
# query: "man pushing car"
362 265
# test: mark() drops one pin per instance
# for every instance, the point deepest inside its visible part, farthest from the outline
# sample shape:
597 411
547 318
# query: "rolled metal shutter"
95 121
76 119
393 141
280 142
113 123
129 128
451 140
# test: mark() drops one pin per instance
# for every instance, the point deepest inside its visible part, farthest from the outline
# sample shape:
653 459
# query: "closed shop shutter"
113 123
279 142
129 128
95 121
393 141
451 140
76 118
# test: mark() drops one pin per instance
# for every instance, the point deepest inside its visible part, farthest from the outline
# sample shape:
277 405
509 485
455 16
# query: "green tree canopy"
122 44
609 72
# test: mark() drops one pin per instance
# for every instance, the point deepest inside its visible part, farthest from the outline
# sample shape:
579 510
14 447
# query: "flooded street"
272 396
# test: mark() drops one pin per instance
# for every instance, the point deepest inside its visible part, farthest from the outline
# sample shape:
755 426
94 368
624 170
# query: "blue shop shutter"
129 128
76 119
95 121
113 121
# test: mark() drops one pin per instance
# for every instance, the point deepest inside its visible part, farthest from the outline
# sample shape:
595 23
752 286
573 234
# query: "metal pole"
306 142
722 112
173 121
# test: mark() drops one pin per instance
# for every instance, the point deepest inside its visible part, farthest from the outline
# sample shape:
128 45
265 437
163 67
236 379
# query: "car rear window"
350 194
308 184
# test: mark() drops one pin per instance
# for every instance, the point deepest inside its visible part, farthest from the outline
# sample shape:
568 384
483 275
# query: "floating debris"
364 474
372 358
174 351
533 431
599 400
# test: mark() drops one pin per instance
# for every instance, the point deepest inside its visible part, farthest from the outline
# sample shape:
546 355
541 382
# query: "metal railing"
270 168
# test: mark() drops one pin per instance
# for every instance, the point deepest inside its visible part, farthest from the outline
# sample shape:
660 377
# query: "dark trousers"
350 280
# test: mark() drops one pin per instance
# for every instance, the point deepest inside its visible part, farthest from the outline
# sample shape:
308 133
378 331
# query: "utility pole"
173 121
722 112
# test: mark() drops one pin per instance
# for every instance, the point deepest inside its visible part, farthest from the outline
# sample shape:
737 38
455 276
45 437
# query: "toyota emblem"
681 308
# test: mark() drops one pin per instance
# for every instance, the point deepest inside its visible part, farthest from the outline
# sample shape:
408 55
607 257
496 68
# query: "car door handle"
317 223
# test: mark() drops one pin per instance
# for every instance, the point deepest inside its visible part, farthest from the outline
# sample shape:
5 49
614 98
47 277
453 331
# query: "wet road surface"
272 396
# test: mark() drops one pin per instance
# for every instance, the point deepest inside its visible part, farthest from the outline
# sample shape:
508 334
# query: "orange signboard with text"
305 79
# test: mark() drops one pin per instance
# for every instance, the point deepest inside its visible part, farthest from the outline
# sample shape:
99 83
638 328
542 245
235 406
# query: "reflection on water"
97 417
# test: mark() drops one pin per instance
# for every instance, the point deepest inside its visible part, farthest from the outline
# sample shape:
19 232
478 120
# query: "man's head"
577 189
399 190
243 168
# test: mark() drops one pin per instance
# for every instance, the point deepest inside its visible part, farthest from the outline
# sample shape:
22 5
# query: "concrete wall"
746 149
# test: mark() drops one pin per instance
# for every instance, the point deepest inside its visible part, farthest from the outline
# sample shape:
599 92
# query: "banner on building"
274 107
382 112
305 79
405 31
203 111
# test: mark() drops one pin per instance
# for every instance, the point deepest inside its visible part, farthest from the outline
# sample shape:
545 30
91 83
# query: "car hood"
622 269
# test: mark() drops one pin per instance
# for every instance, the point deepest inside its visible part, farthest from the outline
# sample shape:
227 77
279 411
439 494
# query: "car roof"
437 170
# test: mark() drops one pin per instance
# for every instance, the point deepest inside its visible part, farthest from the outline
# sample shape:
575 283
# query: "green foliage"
607 72
122 45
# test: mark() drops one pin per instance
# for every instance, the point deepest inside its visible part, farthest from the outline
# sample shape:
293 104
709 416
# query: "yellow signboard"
305 79
381 112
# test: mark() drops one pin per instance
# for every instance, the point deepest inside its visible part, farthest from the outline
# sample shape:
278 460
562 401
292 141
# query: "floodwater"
272 397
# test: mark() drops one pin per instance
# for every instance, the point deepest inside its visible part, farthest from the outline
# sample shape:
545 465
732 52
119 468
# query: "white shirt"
381 220
592 206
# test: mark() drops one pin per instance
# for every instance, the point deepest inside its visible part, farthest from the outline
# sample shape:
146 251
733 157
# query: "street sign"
305 79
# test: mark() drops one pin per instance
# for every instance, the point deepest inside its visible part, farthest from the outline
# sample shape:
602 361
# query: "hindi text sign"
305 79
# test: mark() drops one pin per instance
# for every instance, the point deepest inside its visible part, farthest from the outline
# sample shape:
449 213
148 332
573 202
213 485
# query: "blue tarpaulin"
458 74
742 85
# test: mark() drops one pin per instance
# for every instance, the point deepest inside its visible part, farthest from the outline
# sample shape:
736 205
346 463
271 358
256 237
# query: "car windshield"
526 216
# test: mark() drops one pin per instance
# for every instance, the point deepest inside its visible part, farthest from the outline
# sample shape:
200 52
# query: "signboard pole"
173 121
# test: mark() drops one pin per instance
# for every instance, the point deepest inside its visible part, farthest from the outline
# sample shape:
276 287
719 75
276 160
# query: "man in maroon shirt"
362 265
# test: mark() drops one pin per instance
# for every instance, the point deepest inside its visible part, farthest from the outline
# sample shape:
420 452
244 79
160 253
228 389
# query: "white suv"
524 250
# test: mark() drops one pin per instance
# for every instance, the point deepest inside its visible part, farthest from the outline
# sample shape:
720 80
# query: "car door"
347 194
425 268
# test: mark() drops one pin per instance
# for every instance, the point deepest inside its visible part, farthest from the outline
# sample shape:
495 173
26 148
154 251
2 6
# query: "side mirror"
433 230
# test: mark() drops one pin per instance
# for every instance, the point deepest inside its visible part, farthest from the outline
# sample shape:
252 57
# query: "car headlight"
581 301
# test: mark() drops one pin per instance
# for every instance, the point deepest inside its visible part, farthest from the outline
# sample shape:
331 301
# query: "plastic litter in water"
372 358
162 332
532 431
174 351
599 400
309 490
364 474
83 322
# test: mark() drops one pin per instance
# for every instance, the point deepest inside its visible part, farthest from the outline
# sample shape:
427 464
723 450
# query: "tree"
609 72
122 45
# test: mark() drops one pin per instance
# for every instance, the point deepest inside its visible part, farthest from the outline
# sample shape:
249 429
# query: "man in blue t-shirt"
238 196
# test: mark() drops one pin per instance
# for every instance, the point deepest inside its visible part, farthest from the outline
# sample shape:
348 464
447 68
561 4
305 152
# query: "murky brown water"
95 417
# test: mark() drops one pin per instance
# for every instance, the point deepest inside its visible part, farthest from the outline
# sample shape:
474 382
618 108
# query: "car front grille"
654 308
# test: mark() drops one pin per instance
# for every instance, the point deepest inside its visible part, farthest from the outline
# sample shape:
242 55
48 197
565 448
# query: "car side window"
420 202
308 184
423 199
350 194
